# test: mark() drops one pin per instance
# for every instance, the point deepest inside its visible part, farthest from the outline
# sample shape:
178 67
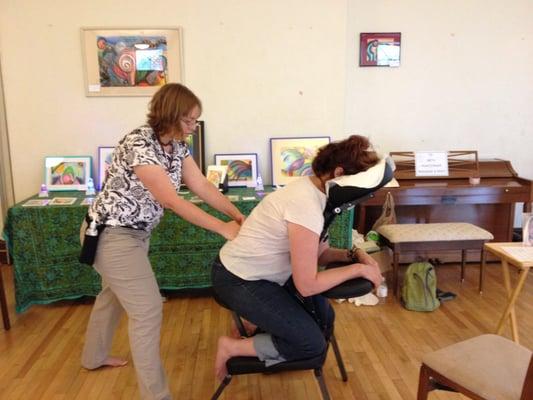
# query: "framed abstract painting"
130 61
291 158
67 172
242 168
379 49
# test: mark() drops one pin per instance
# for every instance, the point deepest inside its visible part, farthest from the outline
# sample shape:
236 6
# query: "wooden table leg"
463 262
3 303
395 271
509 309
481 269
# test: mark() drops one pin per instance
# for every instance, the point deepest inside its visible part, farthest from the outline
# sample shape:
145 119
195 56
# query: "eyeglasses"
189 121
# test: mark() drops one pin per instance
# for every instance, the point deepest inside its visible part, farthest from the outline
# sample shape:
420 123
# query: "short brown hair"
353 155
170 103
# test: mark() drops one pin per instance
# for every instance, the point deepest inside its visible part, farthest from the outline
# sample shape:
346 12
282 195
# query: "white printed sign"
431 163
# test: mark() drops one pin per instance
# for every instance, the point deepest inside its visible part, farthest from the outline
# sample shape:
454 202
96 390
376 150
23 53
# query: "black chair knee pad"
352 288
253 365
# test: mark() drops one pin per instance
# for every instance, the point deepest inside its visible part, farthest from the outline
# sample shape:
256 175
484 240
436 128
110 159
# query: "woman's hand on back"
230 230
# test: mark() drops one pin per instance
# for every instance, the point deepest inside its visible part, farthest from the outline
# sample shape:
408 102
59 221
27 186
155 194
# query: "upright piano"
489 204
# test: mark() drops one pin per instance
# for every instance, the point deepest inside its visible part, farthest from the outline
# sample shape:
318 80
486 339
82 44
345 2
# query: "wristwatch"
352 253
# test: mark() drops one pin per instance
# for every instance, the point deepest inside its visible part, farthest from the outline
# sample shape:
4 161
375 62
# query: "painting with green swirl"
132 60
291 158
242 168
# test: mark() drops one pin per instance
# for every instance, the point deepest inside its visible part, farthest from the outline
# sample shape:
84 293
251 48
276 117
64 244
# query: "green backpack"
419 291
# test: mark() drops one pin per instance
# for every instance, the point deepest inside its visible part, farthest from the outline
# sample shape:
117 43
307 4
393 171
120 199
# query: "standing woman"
148 166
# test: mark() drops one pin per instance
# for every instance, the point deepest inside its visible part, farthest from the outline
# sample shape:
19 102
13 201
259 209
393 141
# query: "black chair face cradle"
343 193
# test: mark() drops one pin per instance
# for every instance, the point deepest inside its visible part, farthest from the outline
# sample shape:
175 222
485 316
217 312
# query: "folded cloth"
368 299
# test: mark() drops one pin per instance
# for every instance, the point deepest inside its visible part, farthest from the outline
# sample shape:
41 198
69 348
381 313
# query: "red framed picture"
379 49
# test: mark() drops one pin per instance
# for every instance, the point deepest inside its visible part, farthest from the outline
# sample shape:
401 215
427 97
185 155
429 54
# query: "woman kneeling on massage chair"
280 240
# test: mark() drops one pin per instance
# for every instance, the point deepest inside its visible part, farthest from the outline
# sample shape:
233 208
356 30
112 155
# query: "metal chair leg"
225 382
240 325
322 384
338 356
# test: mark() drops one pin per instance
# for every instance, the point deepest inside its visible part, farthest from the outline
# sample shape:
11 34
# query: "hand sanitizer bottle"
259 184
43 191
382 292
90 187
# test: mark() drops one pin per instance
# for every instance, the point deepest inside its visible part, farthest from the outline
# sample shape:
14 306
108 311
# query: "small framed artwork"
291 158
105 156
379 49
67 172
242 168
216 174
130 61
63 201
195 142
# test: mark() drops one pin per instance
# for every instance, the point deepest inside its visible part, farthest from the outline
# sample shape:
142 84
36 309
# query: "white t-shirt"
261 249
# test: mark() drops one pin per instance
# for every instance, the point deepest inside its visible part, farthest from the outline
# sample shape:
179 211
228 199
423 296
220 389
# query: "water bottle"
382 292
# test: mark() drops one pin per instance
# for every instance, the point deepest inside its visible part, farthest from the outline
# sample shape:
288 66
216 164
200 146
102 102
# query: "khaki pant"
128 284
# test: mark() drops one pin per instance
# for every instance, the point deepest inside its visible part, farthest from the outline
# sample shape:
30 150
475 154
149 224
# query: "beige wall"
262 69
281 68
465 81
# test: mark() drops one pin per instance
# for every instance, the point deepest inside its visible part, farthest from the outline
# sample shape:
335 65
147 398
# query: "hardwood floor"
382 346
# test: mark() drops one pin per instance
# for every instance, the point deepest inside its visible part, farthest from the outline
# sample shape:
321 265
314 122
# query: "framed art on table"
291 158
67 172
195 141
130 61
105 156
242 168
379 49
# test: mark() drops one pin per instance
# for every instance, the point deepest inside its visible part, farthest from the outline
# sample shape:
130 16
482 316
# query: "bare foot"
223 355
114 362
248 327
229 347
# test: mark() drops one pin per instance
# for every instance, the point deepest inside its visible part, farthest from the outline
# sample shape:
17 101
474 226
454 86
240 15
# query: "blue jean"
278 311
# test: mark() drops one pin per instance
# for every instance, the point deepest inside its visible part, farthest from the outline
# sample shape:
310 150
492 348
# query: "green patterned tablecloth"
44 248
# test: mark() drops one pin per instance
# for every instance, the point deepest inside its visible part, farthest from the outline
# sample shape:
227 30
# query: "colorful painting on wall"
130 62
379 49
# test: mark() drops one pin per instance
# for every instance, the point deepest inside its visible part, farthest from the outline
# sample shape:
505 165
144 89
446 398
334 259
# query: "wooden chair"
482 368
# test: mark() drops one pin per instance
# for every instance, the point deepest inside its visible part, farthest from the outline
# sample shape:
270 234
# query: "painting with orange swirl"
130 62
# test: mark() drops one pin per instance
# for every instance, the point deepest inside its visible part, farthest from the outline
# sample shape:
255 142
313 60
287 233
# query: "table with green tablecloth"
44 246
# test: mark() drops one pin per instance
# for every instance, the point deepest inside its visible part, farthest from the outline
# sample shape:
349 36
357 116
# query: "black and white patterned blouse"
124 201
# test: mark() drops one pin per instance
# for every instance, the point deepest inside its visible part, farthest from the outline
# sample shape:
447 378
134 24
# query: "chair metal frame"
286 366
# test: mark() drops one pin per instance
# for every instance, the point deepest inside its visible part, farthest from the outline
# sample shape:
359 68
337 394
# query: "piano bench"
434 236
